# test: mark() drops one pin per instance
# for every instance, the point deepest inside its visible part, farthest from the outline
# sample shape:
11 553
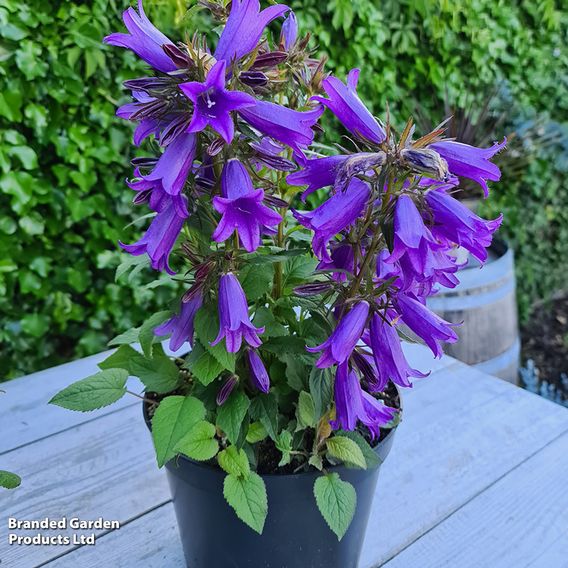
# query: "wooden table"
478 477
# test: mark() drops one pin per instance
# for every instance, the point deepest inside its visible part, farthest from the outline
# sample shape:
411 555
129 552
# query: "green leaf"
202 364
321 389
247 496
316 461
305 412
199 443
371 457
256 432
9 480
336 500
121 359
231 415
173 419
256 280
296 271
265 318
206 328
94 392
346 450
284 444
234 461
159 374
130 336
264 407
146 335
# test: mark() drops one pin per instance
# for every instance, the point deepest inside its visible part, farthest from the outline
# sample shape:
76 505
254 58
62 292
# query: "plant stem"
149 401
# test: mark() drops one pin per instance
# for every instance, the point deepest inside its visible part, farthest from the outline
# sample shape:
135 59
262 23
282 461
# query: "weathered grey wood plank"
461 432
103 468
520 521
152 541
25 414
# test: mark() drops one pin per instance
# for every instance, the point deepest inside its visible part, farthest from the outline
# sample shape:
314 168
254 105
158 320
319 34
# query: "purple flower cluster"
385 237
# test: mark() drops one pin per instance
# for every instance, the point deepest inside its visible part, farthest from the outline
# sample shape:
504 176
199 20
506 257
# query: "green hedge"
63 155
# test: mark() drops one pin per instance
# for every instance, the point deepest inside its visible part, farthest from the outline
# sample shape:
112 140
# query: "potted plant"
272 429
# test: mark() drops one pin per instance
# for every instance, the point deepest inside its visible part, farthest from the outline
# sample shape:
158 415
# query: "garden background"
64 156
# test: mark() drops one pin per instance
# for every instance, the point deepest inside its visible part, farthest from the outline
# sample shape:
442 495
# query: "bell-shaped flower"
317 173
180 326
258 372
413 243
241 208
244 28
336 214
353 404
234 320
171 171
338 347
470 162
144 39
342 261
457 223
291 127
289 33
213 104
390 361
426 324
160 238
345 103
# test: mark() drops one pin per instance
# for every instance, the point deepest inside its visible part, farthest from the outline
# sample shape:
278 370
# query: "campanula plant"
288 315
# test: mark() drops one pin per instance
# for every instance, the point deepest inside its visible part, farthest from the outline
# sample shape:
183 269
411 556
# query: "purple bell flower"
336 214
352 404
160 237
291 127
389 359
317 173
470 162
289 33
342 260
234 321
181 325
426 324
144 39
241 208
456 223
212 103
170 173
244 28
347 106
258 373
338 347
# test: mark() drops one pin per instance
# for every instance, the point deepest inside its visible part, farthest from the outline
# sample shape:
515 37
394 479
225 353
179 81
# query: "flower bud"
226 390
425 161
289 33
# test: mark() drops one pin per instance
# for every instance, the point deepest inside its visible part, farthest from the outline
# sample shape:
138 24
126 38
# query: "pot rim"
215 466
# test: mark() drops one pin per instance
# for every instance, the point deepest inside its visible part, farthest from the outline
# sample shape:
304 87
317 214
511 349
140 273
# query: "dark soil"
545 341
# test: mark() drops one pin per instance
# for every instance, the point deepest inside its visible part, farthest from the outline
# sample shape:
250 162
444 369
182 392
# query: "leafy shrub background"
63 155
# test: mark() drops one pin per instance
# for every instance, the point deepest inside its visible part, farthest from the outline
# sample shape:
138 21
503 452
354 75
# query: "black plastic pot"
295 534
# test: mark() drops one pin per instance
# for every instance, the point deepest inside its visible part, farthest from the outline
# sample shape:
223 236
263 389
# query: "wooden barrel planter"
485 300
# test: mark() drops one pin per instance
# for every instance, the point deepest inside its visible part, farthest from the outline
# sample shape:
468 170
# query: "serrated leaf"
265 408
204 367
256 432
146 335
9 480
234 461
121 359
283 443
346 450
305 412
96 391
130 336
336 500
264 317
371 457
173 419
199 443
231 415
297 372
316 461
206 329
321 389
296 271
256 280
158 374
247 496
